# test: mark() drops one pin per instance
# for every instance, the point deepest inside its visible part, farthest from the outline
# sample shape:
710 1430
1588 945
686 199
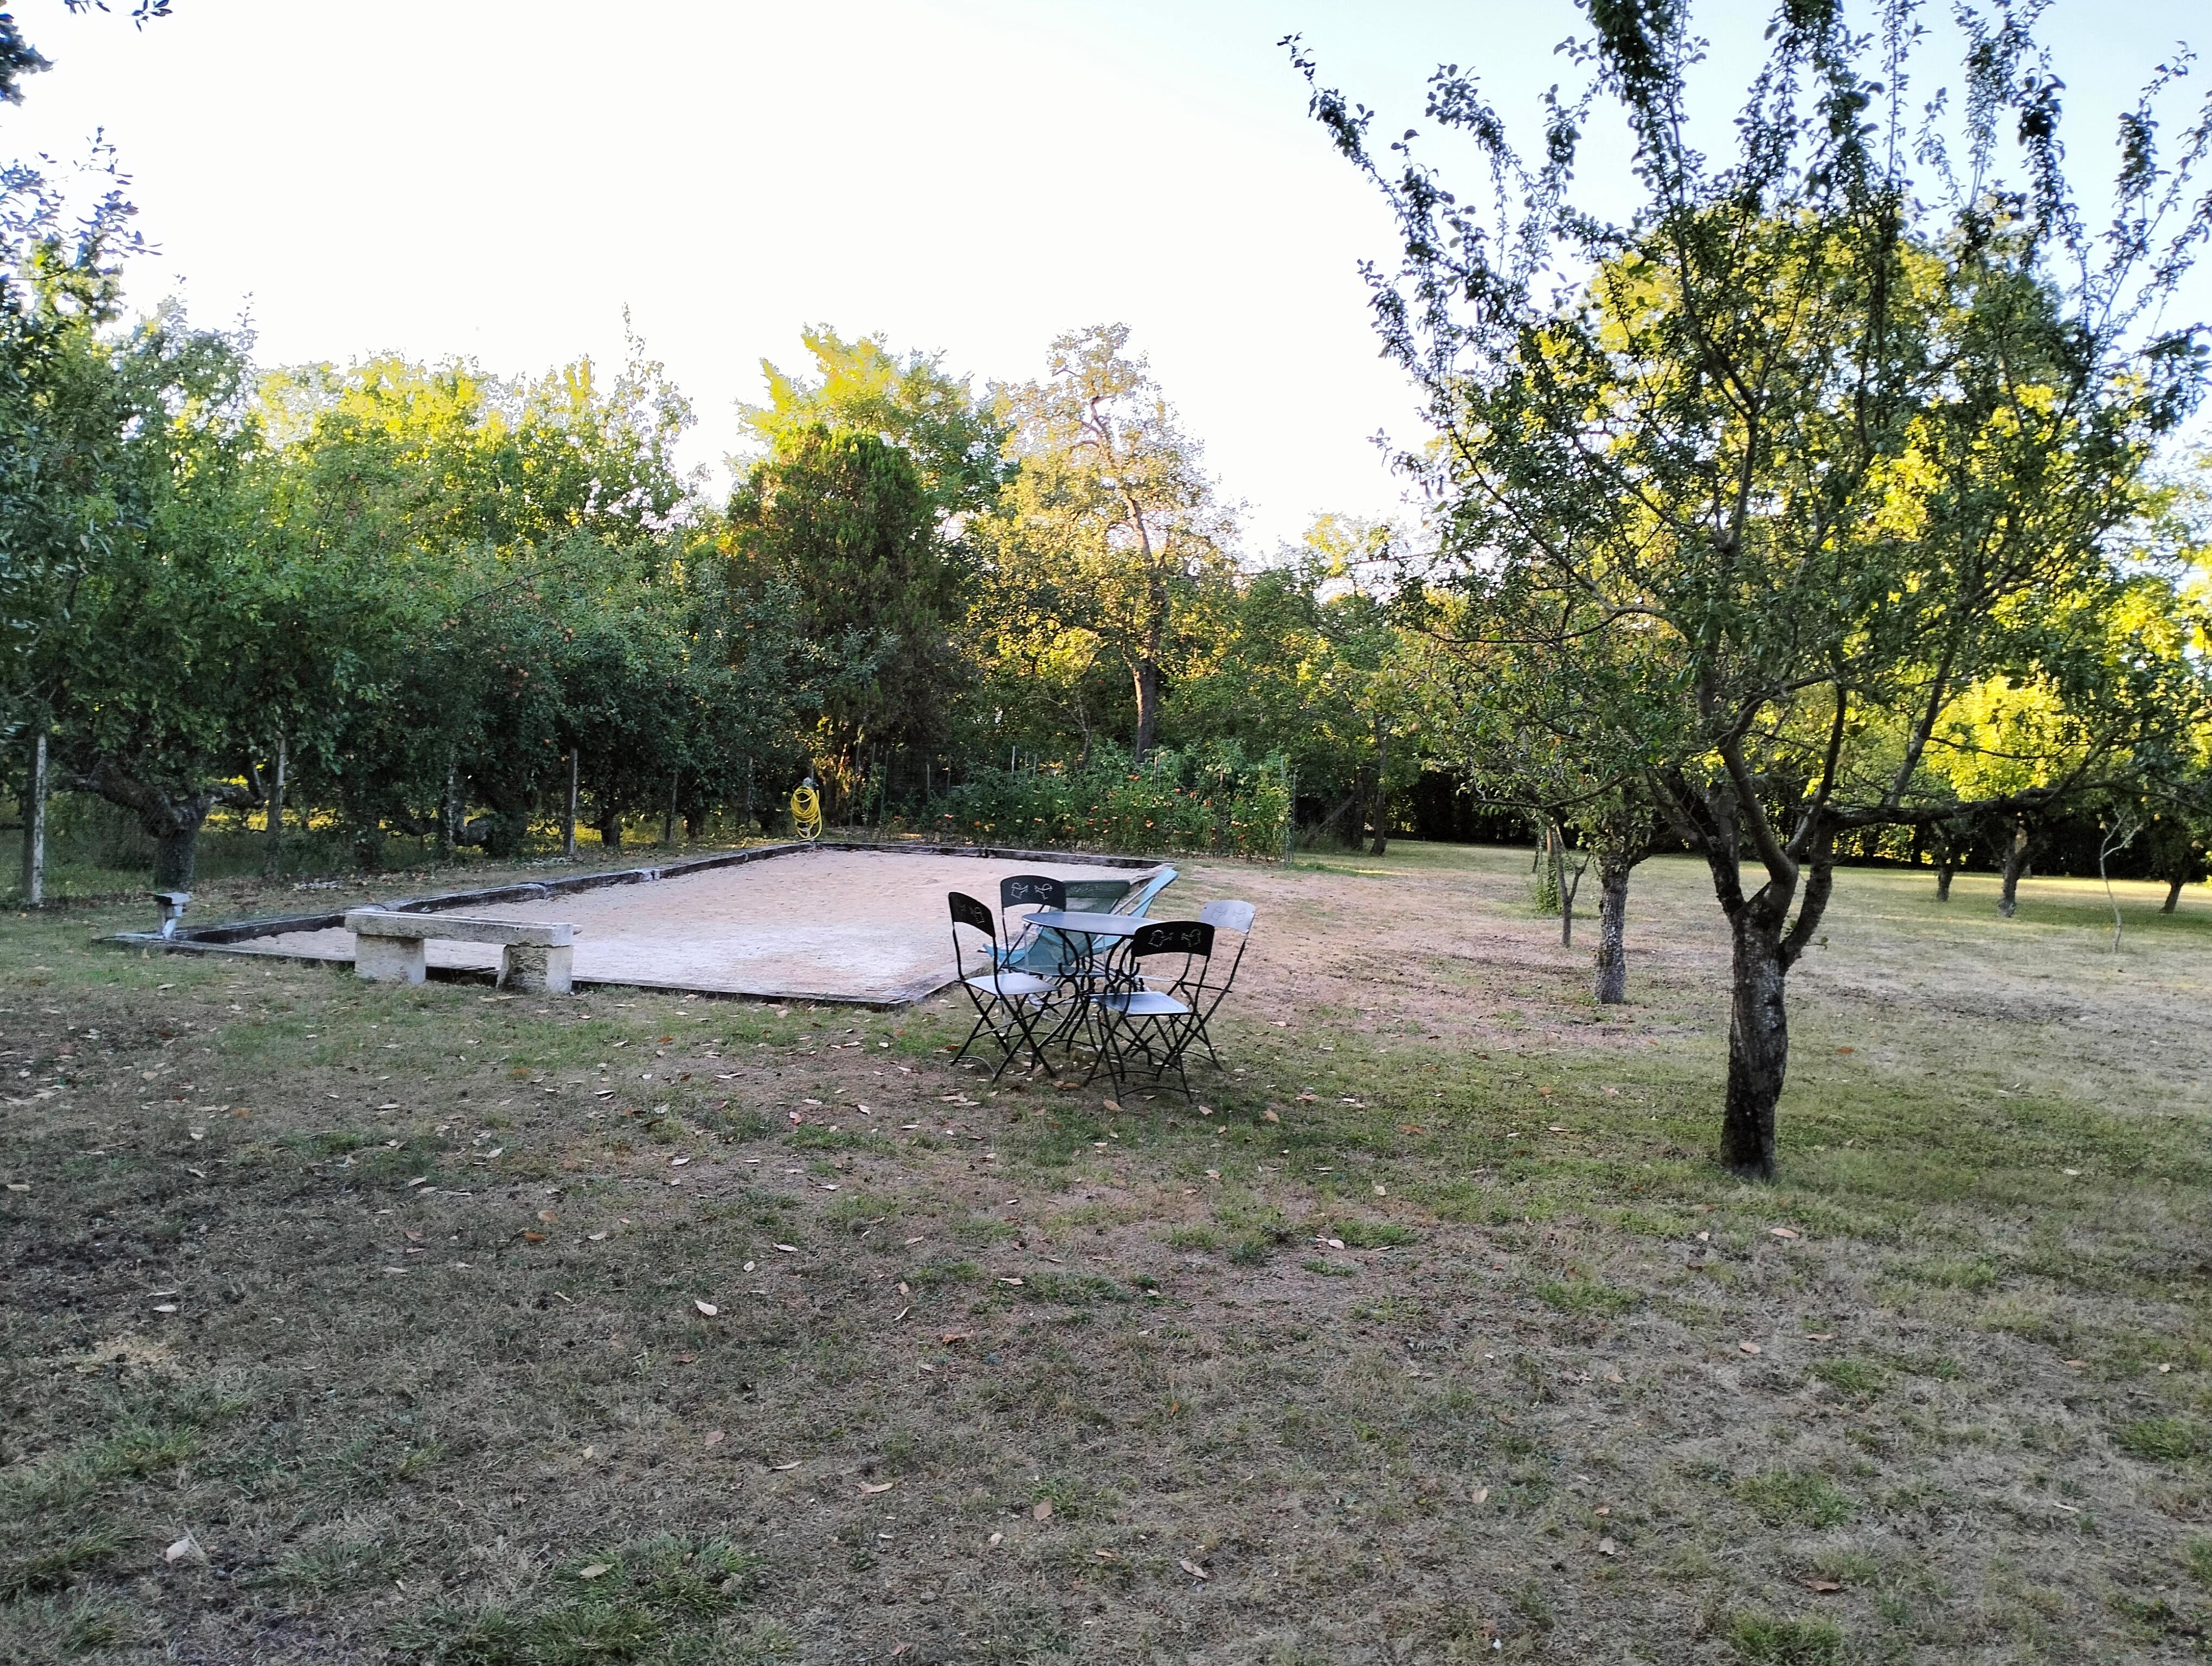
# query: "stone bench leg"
535 968
389 959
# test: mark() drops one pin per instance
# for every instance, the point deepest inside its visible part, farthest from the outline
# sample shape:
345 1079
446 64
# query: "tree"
1110 527
954 440
1828 435
841 519
142 670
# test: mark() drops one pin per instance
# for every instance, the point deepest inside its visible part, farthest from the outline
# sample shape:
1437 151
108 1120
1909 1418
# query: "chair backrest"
1145 887
1096 896
1185 937
967 911
1028 890
1228 915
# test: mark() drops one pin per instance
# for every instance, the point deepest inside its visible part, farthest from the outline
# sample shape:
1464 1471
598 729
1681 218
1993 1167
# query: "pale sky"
499 179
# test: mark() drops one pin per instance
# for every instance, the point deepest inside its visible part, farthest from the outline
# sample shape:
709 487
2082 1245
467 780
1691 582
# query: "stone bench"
533 956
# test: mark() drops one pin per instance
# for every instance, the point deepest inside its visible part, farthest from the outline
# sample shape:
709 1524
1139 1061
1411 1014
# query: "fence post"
34 825
569 825
272 861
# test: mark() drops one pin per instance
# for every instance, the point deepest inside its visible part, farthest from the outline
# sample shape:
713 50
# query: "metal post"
668 822
34 827
568 826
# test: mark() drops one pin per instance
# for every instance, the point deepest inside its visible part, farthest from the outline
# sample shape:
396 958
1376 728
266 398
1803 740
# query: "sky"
502 179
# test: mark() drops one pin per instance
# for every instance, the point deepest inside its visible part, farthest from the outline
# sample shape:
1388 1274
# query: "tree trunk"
2015 867
609 825
1381 789
1758 1049
272 860
2172 893
1612 957
1944 880
175 854
1147 680
668 821
34 825
172 819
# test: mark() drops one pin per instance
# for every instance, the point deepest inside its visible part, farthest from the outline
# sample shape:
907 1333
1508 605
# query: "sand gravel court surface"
837 925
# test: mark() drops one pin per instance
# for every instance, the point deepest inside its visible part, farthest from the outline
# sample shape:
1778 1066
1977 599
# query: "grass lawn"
342 1323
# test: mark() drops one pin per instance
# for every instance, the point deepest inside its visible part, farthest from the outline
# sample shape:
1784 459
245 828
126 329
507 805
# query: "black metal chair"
1023 950
1205 999
1135 1018
1002 996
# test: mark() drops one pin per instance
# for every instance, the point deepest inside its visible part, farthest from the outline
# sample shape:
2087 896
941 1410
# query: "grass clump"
2165 1439
1795 1498
1373 1234
1585 1296
1784 1641
648 1603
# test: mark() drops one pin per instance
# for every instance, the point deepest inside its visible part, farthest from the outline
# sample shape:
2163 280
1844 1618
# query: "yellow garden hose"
806 811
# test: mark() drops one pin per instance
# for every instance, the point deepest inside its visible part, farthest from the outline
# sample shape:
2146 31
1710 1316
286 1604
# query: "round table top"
1092 925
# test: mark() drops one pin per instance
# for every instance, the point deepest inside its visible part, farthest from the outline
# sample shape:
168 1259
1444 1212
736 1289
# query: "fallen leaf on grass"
533 1237
595 1237
1016 1283
1269 1116
1748 1347
1192 1568
1819 1585
1308 1098
171 1307
186 1548
1042 1510
951 1337
592 1572
548 1217
1105 1555
707 1308
713 1438
787 1248
1411 1127
19 1185
794 1464
1110 1105
870 1487
1480 1495
1607 1548
1785 1233
995 1539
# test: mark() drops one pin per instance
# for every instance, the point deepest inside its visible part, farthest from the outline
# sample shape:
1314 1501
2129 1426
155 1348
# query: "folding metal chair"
1137 1019
1026 948
1138 899
1226 915
1002 996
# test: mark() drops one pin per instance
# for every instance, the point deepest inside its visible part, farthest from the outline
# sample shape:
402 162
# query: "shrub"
1217 804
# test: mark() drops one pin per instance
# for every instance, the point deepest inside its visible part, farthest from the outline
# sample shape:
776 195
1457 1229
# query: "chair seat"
1011 983
1142 1004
